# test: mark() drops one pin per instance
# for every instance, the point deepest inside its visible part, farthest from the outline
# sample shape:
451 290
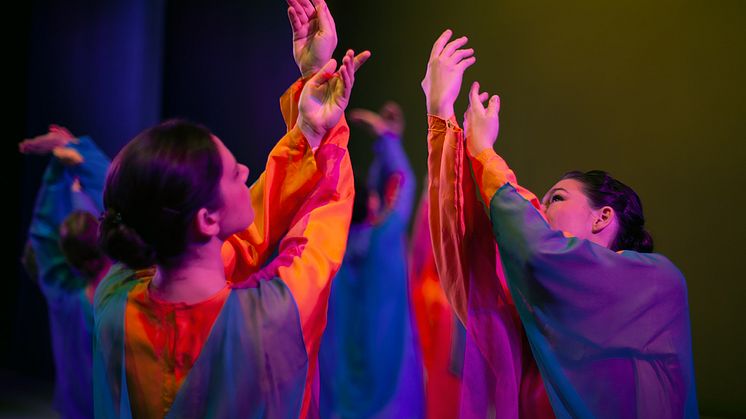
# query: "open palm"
314 34
325 96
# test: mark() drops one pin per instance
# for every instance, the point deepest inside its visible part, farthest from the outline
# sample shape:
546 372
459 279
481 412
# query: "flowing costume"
440 334
251 349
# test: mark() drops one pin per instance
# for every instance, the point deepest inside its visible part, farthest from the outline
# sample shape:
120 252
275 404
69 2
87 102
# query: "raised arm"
585 289
390 174
482 128
446 171
76 184
288 178
311 251
290 170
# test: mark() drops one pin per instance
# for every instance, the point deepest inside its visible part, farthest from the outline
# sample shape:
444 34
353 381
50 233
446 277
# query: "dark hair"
602 190
154 188
79 243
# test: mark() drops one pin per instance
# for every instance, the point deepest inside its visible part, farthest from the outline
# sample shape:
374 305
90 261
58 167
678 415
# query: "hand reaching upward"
445 71
57 136
326 95
314 34
481 123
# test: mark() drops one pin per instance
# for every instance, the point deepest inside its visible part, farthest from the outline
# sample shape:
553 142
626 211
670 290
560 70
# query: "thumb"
360 59
324 73
474 102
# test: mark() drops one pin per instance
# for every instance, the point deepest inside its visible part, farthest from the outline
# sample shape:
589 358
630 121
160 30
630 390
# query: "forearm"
311 251
492 172
447 226
288 178
92 172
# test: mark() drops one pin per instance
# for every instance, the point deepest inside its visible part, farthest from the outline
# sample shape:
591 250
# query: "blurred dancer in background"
63 240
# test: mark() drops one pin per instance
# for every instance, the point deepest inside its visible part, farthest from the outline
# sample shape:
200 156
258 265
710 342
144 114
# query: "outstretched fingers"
440 43
461 54
304 6
324 73
494 106
454 45
299 28
347 72
326 21
476 99
360 59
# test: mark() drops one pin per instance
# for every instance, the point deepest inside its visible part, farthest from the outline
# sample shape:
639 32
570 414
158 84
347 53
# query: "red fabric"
500 374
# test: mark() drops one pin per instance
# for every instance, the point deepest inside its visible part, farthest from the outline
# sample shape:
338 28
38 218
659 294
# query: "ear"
604 217
207 223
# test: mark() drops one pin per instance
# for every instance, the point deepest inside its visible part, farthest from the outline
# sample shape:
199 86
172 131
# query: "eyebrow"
555 190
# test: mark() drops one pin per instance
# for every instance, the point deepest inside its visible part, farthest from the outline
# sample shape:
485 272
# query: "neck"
605 237
198 275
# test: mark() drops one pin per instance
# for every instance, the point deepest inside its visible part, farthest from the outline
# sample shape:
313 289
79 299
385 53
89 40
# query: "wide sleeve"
489 181
447 229
276 196
311 251
596 316
586 290
462 246
55 201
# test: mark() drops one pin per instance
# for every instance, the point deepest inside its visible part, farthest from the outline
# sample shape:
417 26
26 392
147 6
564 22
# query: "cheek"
554 216
560 217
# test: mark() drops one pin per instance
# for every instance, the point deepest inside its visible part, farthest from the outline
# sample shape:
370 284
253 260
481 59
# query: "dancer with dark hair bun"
199 321
607 320
63 245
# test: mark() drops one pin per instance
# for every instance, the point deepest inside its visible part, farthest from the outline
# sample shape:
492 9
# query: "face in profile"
568 209
236 213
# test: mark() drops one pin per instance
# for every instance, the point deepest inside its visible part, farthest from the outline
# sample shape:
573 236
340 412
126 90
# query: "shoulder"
660 269
117 283
270 300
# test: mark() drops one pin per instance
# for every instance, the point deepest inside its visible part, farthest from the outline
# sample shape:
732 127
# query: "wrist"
477 147
441 110
312 134
307 72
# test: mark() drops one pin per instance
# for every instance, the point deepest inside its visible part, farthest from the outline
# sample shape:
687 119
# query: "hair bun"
122 243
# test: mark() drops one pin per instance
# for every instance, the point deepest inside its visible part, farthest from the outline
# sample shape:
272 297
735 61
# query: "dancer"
369 363
217 329
69 265
607 320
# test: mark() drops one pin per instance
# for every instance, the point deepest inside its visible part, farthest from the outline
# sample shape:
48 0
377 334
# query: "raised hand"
314 34
326 95
445 71
57 136
481 124
389 120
